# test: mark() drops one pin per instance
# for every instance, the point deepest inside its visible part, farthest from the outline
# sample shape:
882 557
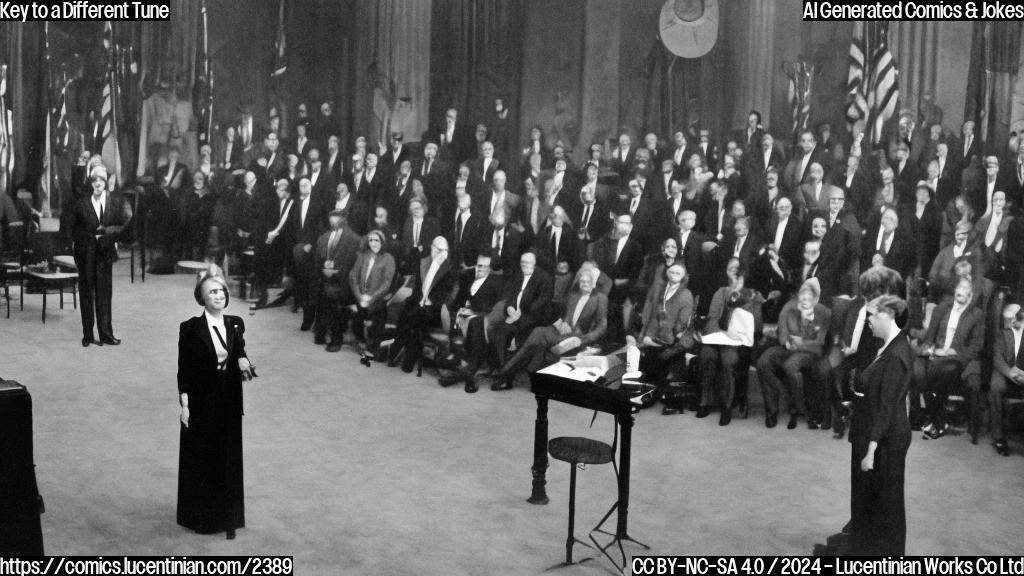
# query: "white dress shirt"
954 321
519 297
211 323
428 280
584 298
98 205
780 232
883 244
993 229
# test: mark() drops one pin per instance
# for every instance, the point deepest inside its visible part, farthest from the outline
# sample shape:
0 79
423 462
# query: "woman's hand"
184 416
245 367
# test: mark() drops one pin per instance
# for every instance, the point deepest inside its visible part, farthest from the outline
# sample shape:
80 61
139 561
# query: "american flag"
61 110
106 134
883 90
6 135
857 109
202 96
800 96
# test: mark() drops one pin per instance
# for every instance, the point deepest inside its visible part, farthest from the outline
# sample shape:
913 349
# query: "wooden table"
48 279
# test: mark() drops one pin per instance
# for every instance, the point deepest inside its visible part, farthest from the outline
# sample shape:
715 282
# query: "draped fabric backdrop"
21 48
475 55
751 28
395 50
995 61
916 48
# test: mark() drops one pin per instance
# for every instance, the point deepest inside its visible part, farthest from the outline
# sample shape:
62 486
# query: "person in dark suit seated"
370 281
942 278
763 199
212 363
890 245
477 293
523 306
196 207
619 254
557 246
641 209
726 346
1007 373
502 240
743 245
666 316
95 225
334 257
653 275
583 324
464 231
418 233
880 437
803 326
843 241
954 338
431 292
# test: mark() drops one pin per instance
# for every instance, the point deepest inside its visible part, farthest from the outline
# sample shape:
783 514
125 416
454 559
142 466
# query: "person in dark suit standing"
334 257
856 187
96 223
418 234
305 225
397 153
557 246
455 138
799 167
880 438
592 217
212 363
464 231
502 240
583 324
970 146
270 164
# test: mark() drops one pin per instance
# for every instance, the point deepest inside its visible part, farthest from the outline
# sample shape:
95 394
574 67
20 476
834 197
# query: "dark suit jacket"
84 222
568 249
197 370
624 168
310 231
511 248
428 231
535 301
599 223
389 164
378 284
790 252
476 169
344 257
902 255
177 180
465 251
440 290
1005 356
273 170
858 193
792 177
486 296
629 263
751 246
881 414
968 337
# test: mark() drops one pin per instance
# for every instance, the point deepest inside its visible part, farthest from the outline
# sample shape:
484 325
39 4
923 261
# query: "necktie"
415 233
554 245
101 212
458 227
586 216
632 206
222 365
333 243
369 268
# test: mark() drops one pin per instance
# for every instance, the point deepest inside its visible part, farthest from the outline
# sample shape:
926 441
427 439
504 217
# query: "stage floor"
372 471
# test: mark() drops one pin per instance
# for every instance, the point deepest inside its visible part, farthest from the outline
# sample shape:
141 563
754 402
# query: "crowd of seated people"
739 251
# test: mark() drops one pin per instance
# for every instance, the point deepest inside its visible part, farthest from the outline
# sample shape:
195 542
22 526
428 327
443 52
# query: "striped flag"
857 109
800 75
883 89
6 135
63 131
202 91
106 141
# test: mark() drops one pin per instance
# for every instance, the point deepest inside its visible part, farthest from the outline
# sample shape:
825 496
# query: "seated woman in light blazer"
370 280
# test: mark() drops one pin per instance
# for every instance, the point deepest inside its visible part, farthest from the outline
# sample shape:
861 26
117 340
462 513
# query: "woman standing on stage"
880 437
212 364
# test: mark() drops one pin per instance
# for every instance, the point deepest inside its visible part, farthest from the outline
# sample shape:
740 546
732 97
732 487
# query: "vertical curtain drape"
21 48
476 55
752 31
995 60
394 91
915 44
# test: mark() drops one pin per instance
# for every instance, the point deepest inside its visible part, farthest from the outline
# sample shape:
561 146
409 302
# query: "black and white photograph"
465 287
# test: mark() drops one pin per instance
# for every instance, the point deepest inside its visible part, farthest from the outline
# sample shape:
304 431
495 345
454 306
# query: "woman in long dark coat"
880 437
211 366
